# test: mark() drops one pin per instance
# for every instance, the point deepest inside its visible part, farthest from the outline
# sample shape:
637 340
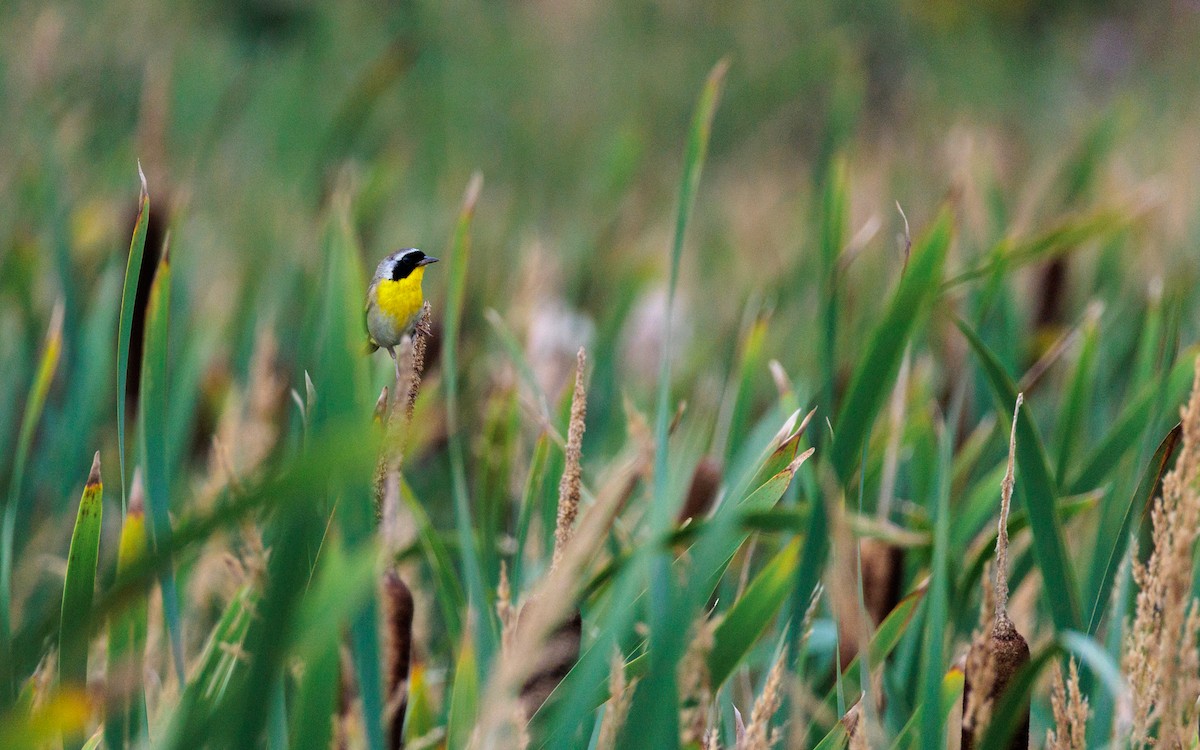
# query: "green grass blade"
937 612
153 415
1139 505
1067 237
873 375
214 672
1037 491
834 207
1132 422
464 697
887 636
657 727
748 618
951 696
34 404
456 285
836 739
449 589
80 585
1070 420
313 716
133 270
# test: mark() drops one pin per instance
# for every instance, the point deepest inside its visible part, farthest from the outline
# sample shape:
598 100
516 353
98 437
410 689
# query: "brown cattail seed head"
706 480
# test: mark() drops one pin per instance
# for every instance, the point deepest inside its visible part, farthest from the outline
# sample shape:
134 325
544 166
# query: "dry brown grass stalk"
396 417
570 484
695 684
620 695
1159 653
758 734
1070 713
993 661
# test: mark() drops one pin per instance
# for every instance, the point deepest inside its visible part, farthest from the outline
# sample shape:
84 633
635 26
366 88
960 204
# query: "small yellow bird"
394 300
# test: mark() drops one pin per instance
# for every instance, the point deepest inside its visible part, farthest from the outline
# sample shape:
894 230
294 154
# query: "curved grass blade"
133 270
1139 503
1073 233
1038 492
80 585
750 615
51 352
153 432
657 727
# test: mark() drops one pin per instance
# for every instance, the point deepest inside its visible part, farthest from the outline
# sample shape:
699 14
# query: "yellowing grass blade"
75 626
126 713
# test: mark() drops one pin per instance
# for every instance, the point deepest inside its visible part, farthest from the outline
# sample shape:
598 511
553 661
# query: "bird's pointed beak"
427 260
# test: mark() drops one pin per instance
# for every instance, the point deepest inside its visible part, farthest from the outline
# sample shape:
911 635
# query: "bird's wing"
371 345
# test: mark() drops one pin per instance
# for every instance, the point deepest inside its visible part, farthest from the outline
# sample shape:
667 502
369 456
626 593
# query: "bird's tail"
370 347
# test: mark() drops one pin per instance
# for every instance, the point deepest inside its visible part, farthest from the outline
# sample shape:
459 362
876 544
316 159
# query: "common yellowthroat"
394 300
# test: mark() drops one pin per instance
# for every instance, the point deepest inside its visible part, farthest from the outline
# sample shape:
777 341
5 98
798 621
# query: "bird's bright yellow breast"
402 299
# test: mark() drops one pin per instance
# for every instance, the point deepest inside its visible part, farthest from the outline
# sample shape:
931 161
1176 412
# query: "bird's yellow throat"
401 299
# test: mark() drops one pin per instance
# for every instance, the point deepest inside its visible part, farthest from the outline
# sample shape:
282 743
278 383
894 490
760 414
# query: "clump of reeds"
997 655
549 611
1070 708
1159 656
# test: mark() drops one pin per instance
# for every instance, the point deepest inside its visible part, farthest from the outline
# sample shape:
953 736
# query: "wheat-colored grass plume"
759 735
1070 709
570 484
694 680
1159 653
620 695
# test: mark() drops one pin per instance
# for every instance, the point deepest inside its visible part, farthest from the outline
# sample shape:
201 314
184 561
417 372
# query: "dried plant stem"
1006 490
1070 713
569 485
397 422
996 655
758 734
